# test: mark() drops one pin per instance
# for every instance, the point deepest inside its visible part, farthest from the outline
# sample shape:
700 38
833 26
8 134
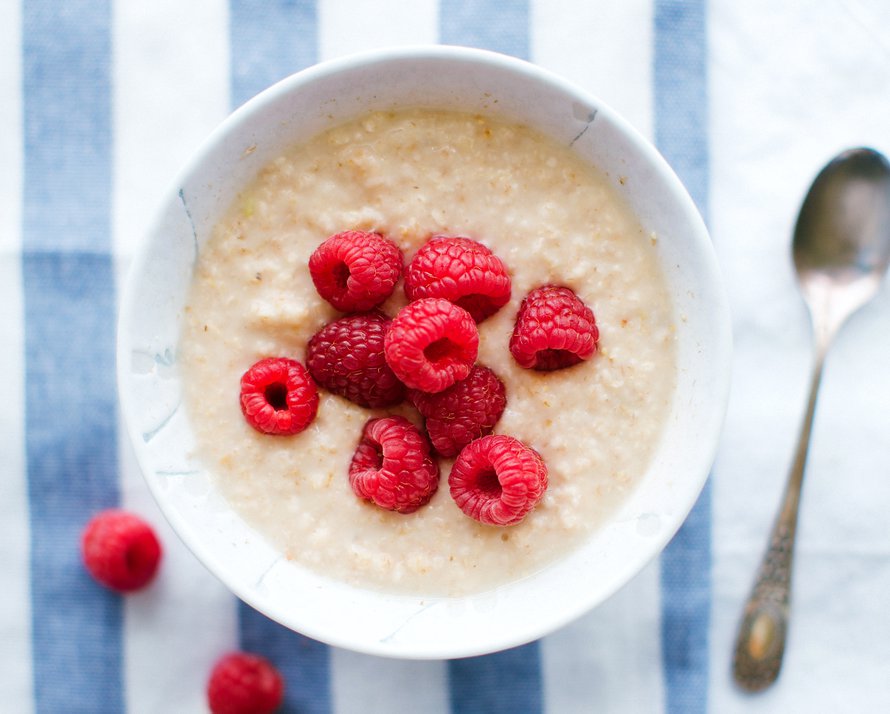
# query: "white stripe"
15 615
792 84
346 27
171 88
360 684
605 662
605 47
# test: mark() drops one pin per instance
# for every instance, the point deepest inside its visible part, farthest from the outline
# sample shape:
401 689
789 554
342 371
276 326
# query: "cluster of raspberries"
427 355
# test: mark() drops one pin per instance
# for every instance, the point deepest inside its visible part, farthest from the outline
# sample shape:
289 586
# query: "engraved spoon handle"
760 642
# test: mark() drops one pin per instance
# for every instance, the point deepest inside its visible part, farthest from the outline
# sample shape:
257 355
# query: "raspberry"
431 344
120 550
346 358
497 480
554 329
392 466
243 683
460 270
278 396
356 271
463 412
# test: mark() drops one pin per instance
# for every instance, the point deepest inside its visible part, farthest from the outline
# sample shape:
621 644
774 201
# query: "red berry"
460 270
463 412
346 358
278 396
243 683
554 329
497 480
431 344
120 550
392 466
356 271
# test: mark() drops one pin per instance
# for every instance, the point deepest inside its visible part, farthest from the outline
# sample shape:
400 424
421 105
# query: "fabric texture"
101 102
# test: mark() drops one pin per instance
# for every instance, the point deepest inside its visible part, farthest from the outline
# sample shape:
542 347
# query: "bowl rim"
721 345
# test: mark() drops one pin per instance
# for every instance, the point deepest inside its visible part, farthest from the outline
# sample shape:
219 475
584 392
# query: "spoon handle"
760 642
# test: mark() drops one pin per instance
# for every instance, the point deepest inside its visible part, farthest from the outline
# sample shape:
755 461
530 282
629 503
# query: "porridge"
409 175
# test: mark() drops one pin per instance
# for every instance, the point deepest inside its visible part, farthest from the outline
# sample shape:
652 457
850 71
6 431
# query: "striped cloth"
101 101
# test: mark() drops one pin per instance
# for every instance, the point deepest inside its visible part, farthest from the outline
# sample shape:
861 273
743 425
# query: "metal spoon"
841 250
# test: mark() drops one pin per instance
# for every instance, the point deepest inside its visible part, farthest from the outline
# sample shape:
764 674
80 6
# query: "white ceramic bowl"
398 625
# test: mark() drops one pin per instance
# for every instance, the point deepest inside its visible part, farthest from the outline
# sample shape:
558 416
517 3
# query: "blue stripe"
508 681
269 41
69 304
498 25
681 124
303 662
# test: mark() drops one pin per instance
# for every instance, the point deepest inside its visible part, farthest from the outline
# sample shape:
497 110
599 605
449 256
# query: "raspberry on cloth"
461 270
356 271
120 550
431 344
346 358
244 683
554 329
392 466
278 396
498 480
465 411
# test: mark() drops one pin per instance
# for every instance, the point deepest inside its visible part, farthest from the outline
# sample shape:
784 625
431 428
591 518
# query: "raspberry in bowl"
514 324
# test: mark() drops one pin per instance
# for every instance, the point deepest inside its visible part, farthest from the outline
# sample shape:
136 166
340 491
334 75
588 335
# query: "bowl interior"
397 625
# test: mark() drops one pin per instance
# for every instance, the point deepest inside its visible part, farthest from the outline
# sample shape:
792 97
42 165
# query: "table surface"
102 102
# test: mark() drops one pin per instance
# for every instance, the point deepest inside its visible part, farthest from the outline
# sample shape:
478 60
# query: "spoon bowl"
841 245
841 250
843 230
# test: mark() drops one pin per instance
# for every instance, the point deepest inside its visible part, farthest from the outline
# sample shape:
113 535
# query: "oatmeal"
409 175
